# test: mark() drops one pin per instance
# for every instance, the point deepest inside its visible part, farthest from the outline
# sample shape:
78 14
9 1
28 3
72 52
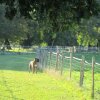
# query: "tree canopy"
53 22
58 12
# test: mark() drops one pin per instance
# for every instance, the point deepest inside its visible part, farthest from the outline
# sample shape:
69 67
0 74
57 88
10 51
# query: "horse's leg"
29 68
33 69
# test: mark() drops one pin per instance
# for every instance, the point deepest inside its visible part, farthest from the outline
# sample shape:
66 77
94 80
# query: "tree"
54 22
58 12
13 30
88 33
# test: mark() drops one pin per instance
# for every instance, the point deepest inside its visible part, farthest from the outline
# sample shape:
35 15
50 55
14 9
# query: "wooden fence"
55 58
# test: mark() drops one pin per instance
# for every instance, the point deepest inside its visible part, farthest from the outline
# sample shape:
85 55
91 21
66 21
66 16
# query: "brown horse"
33 65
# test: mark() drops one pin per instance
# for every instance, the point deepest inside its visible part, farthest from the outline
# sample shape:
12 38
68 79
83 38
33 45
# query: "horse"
33 65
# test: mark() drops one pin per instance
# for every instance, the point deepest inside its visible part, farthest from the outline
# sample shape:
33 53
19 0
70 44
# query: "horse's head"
36 59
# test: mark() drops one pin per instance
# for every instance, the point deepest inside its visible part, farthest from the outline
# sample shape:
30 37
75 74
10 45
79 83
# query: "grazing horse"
33 65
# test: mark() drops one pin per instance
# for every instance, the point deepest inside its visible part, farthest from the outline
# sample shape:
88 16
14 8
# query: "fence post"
42 56
46 58
62 64
71 57
93 63
50 59
57 57
82 71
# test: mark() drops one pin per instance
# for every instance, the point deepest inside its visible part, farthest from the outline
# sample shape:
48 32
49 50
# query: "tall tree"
11 30
58 12
52 19
88 33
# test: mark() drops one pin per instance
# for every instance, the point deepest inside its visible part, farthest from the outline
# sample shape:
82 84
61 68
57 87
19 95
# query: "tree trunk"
7 44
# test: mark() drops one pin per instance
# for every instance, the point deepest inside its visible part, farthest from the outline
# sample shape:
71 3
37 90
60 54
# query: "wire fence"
61 59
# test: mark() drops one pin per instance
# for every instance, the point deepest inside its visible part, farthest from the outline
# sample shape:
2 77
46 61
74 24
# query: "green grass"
24 86
17 84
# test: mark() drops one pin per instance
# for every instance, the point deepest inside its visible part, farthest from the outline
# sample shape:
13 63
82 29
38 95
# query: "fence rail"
60 57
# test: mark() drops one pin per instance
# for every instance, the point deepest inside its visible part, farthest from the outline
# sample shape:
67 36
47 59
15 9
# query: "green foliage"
52 22
79 38
43 44
88 32
58 12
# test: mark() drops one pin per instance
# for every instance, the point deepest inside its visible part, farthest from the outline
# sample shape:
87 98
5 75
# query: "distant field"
15 62
17 84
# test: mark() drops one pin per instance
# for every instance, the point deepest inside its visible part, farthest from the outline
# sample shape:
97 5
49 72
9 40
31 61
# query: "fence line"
77 59
82 71
59 57
67 57
97 63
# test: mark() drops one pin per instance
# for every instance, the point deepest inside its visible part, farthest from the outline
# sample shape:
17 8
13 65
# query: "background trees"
89 32
54 22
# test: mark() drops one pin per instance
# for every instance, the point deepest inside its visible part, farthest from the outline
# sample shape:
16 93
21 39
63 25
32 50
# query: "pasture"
16 83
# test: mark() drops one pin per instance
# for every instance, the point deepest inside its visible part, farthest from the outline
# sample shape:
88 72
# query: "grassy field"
17 84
